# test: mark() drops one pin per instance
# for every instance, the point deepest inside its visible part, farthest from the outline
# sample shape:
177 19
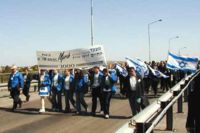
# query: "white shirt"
25 77
96 80
41 78
67 82
107 81
13 75
55 80
133 82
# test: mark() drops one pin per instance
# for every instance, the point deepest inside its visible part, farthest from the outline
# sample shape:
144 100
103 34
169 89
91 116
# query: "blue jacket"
60 82
71 80
80 84
113 79
16 81
46 82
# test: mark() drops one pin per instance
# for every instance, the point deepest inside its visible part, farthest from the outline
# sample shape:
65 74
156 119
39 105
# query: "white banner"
77 58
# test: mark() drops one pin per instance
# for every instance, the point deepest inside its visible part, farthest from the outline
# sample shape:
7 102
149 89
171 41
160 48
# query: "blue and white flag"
113 71
121 70
157 73
140 67
183 63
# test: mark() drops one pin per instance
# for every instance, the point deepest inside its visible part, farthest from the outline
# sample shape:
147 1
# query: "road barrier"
147 119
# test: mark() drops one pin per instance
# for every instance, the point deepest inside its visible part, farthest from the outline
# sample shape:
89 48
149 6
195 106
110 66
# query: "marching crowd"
74 84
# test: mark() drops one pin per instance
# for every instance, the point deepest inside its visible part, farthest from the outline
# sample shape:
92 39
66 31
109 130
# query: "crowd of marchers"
102 83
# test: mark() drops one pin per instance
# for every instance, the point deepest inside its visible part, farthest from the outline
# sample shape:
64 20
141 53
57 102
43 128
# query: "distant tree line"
7 69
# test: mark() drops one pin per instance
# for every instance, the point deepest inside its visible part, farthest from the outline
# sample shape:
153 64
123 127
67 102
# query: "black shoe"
27 98
93 114
58 110
13 109
86 108
67 111
20 105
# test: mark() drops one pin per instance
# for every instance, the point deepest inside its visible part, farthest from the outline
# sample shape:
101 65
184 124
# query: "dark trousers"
56 99
162 83
80 101
26 90
16 99
106 102
68 98
96 93
147 84
135 107
122 91
154 85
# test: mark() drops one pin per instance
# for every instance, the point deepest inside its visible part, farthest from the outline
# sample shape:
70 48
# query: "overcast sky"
119 25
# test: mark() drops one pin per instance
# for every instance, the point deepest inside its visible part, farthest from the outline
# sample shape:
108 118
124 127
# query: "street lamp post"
149 36
179 52
92 33
176 37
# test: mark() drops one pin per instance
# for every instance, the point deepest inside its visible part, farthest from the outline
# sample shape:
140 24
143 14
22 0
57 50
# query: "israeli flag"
121 70
157 73
183 63
140 67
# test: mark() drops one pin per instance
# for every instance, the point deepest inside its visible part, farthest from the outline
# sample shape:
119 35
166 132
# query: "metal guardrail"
148 118
5 76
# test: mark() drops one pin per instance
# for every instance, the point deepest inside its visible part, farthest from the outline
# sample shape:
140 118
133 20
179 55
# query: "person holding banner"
44 88
57 81
80 86
95 82
107 86
68 85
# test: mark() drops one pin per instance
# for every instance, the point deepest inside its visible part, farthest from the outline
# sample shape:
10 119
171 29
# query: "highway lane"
27 119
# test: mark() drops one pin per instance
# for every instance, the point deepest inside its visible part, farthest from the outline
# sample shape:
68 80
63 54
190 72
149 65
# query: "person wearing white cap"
15 85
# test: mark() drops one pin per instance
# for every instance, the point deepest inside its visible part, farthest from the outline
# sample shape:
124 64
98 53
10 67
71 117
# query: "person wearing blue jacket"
15 85
44 88
57 81
68 86
80 85
107 85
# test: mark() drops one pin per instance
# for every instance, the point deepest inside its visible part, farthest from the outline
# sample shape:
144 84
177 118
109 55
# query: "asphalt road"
27 119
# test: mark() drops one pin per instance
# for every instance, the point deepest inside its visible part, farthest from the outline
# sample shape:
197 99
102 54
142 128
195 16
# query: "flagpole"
92 33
